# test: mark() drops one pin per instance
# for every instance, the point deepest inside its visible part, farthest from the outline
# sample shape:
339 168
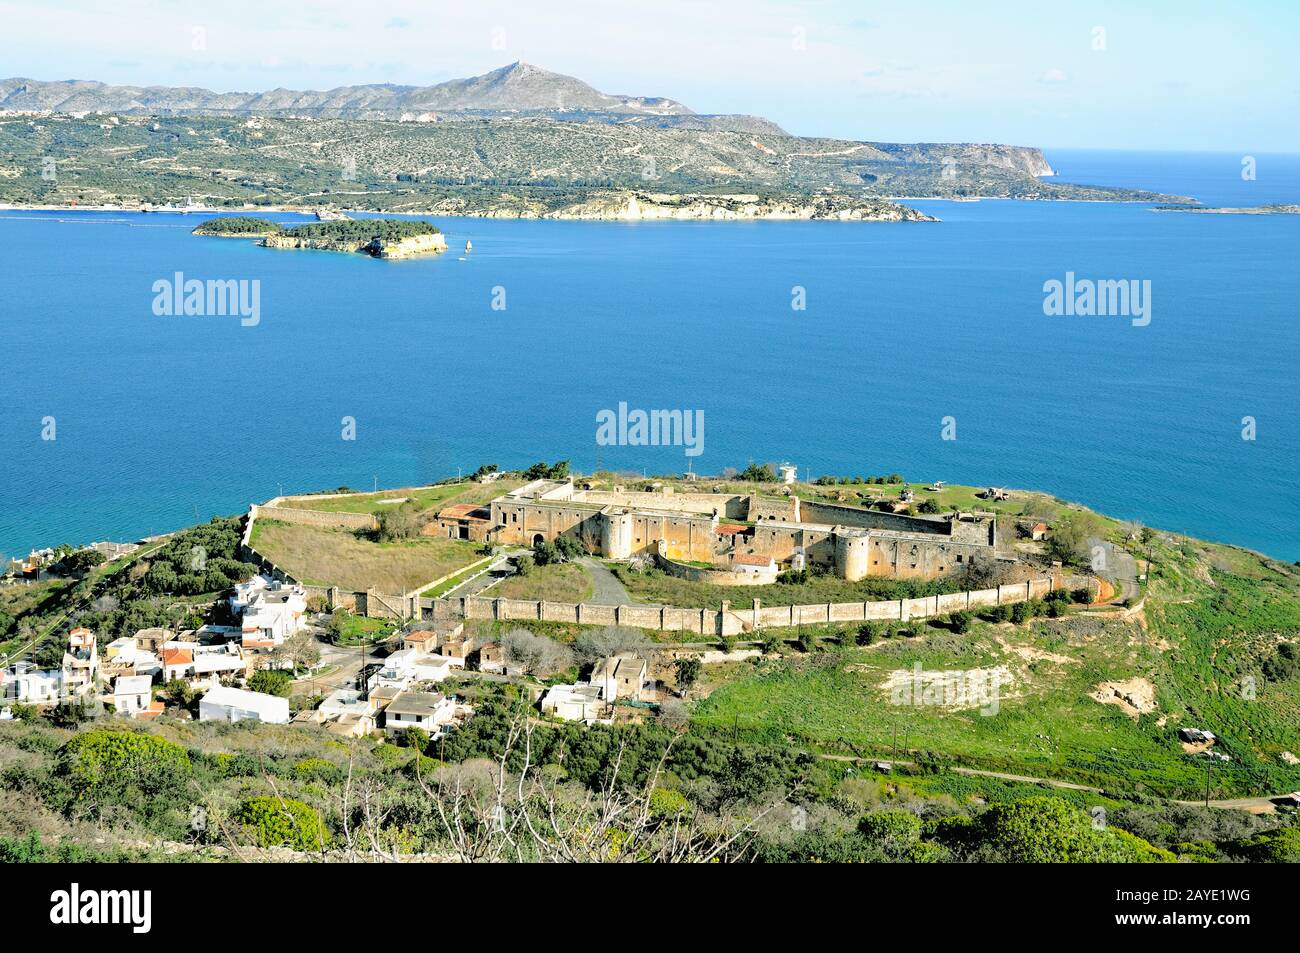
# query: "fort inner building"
732 533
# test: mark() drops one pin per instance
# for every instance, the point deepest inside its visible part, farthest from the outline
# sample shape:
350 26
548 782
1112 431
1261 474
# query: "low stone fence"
736 621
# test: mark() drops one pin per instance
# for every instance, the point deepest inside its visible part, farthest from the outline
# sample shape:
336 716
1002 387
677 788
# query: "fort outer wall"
728 621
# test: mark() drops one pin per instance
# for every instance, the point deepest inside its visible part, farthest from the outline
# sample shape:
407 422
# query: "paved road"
348 661
606 590
1121 569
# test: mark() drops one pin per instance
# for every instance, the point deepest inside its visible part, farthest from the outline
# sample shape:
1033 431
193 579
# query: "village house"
152 640
177 663
345 711
578 702
80 663
123 656
428 711
28 685
491 658
622 676
421 640
458 647
204 664
236 704
270 610
407 666
132 694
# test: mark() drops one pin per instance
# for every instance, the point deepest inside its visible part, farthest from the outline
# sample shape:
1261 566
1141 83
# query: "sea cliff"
376 247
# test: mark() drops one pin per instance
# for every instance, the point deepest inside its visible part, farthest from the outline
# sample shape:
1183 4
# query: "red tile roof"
749 559
176 656
730 529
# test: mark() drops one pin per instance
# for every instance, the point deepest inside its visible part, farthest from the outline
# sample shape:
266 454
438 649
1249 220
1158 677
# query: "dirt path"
1254 805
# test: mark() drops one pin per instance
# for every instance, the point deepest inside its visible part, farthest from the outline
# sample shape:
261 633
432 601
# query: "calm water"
162 420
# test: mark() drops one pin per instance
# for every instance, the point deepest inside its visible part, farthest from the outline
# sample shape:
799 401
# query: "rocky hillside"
518 87
538 164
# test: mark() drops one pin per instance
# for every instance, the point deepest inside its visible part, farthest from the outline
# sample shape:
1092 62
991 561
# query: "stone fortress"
736 538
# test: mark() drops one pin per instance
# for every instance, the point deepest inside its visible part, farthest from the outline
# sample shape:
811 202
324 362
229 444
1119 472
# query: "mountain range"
519 140
517 89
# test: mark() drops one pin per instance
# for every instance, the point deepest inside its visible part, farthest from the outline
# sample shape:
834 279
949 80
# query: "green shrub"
283 822
119 766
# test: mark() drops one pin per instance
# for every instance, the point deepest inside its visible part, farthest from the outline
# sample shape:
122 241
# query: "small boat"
190 206
469 247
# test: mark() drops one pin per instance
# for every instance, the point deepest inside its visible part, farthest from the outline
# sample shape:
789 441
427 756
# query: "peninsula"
956 649
518 142
1275 209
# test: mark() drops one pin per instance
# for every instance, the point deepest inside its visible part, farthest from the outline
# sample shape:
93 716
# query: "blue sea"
161 421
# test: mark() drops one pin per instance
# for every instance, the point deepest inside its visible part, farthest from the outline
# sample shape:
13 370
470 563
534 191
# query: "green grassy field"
1207 630
558 582
425 498
657 587
320 556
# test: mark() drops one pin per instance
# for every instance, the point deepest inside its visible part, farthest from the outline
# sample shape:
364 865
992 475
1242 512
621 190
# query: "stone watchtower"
616 533
852 552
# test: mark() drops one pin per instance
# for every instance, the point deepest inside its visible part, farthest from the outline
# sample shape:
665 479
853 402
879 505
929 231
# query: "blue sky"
1187 75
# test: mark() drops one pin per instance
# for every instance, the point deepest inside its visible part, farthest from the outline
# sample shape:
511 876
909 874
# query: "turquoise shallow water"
162 419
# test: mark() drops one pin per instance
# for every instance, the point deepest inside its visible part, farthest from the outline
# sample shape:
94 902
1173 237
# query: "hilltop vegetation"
352 231
239 225
525 165
201 790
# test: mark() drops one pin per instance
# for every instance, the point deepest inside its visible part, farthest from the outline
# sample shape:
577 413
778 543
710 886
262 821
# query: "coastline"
559 217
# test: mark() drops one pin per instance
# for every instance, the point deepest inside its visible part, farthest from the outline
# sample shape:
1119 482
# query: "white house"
410 665
345 712
578 702
428 711
29 685
272 610
235 704
131 693
123 656
80 662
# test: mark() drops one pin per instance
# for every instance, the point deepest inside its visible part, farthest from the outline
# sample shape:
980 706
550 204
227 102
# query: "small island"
1218 210
377 237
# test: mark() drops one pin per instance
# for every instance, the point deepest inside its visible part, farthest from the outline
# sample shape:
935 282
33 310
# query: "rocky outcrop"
629 206
376 247
407 247
639 206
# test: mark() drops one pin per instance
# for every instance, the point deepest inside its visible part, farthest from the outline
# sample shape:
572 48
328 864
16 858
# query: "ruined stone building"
718 530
